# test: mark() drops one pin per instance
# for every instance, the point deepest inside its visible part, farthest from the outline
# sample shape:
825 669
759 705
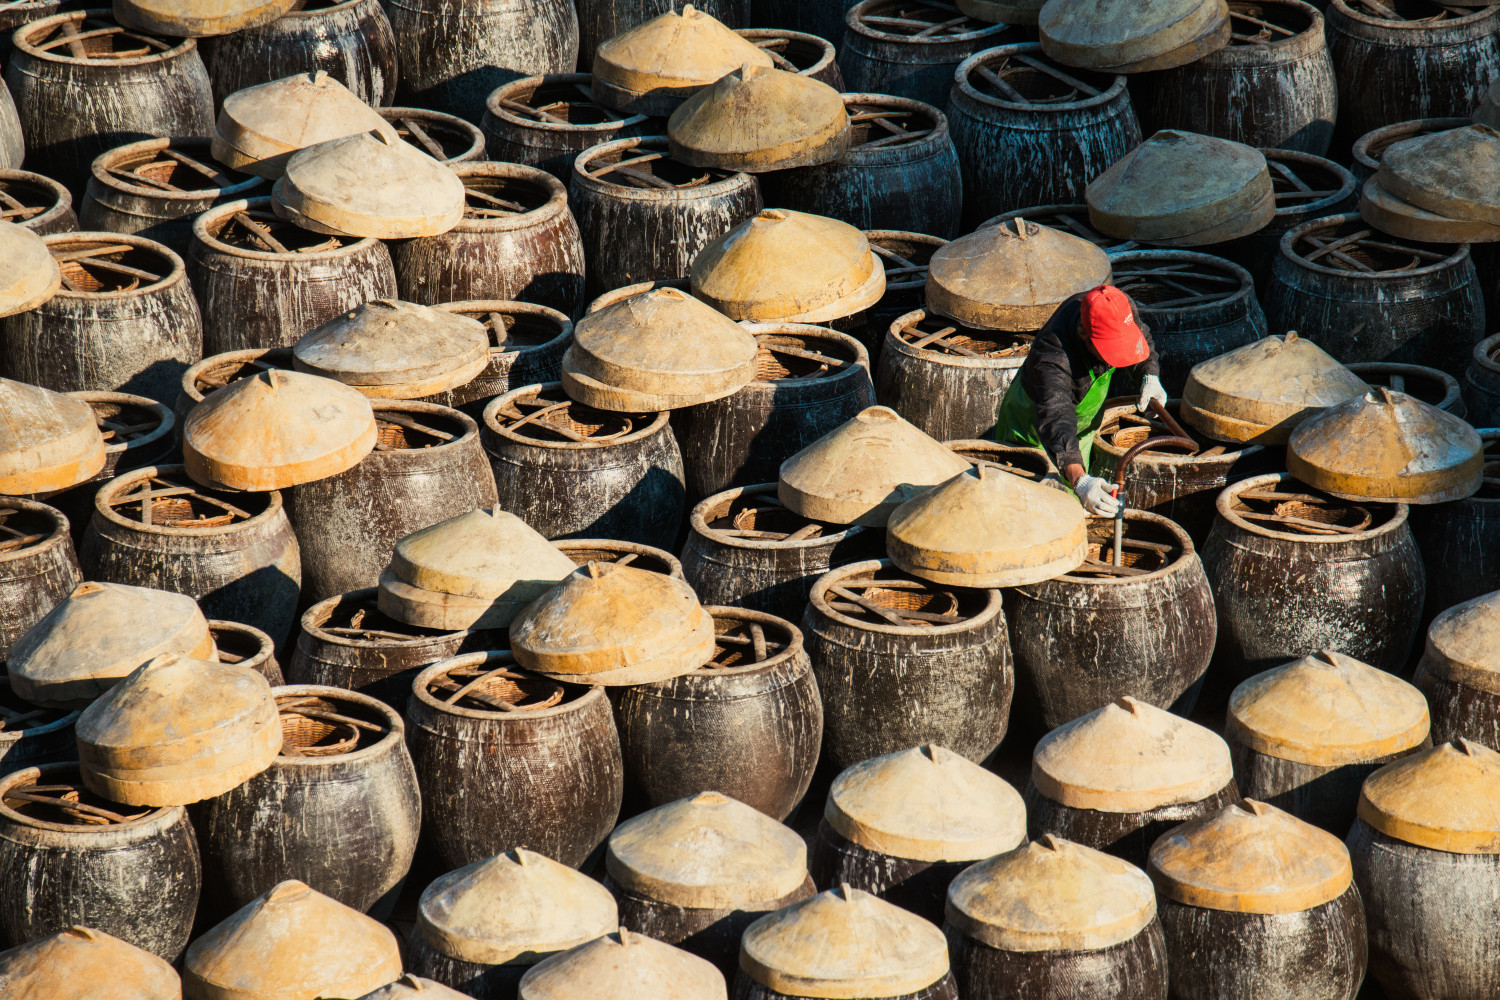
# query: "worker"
1057 399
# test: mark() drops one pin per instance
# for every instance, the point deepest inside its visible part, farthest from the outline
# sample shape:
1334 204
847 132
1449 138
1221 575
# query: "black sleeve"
1152 364
1051 390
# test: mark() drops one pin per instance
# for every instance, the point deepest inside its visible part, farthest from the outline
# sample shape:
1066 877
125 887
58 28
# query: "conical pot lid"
1462 644
706 852
369 185
390 349
1446 798
1250 857
654 66
624 966
410 987
1176 184
1012 276
757 119
1390 214
292 943
844 943
48 441
865 468
1125 36
1130 756
988 528
97 636
277 429
74 964
31 275
1051 895
611 624
1260 393
514 909
260 127
1327 709
1387 446
199 18
1454 173
927 804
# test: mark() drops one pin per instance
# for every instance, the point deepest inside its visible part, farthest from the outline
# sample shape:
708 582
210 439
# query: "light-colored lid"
1463 644
624 966
1051 895
390 349
277 429
1259 393
97 636
1446 798
48 440
410 987
31 275
988 528
1012 276
484 554
514 909
1454 173
844 943
758 119
1327 709
1120 34
77 963
198 18
673 53
1130 756
260 127
1390 214
291 943
862 470
1177 184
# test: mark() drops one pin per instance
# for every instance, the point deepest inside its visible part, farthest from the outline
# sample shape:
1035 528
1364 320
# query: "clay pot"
37 566
247 646
1455 677
951 385
43 205
905 257
546 121
892 47
527 342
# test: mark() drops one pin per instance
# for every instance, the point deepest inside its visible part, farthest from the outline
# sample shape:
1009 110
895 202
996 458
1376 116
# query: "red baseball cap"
1109 324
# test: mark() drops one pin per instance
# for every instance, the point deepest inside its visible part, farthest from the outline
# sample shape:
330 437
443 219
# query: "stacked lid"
177 19
410 987
1446 799
757 119
624 966
31 276
369 184
48 441
1181 189
1127 36
653 67
1441 187
1463 644
260 127
76 964
388 349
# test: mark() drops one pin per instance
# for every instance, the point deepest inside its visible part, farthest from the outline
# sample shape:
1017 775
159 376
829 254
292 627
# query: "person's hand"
1094 494
1150 389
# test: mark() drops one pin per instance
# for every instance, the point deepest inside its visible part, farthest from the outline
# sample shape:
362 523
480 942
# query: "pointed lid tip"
482 554
1446 798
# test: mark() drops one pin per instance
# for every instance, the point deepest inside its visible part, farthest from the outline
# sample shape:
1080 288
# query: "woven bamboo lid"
410 987
1390 214
97 636
177 731
1327 709
1051 895
927 804
1463 644
260 127
48 440
1259 393
1446 798
291 943
624 966
865 468
1126 36
1455 173
1387 446
31 275
653 67
1250 857
611 624
276 429
988 528
388 349
757 119
76 964
1012 276
1130 757
1178 184
198 18
844 943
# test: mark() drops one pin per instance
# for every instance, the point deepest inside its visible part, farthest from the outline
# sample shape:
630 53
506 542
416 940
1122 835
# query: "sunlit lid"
1463 644
1455 173
260 127
624 966
31 275
198 18
389 349
48 440
651 68
1130 36
75 963
1446 798
757 119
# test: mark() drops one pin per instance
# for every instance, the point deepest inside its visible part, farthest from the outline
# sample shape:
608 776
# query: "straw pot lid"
988 528
1387 446
48 440
1446 798
292 943
277 429
624 966
178 730
1051 895
410 987
864 469
388 349
77 963
757 119
1390 214
653 67
1250 857
514 909
97 636
611 624
1122 36
1012 276
844 943
198 18
788 267
927 804
1454 173
260 127
31 275
1259 393
1463 644
1130 757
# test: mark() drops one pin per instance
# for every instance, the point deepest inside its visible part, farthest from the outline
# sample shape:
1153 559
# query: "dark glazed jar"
546 121
38 567
910 48
527 342
947 378
41 204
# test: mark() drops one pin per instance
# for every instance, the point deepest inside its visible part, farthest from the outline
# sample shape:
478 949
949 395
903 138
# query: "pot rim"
1166 457
167 418
60 528
1347 184
99 171
1452 393
507 91
895 343
63 198
468 423
1361 149
267 644
933 144
1459 254
492 409
332 8
159 816
1478 14
853 22
476 149
188 387
1228 267
819 601
22 43
511 307
794 645
274 506
317 633
1224 504
553 208
396 733
175 276
1189 552
220 215
811 331
733 180
961 82
829 52
591 692
699 524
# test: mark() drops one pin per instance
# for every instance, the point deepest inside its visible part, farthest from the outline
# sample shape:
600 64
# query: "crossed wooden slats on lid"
730 646
1274 508
554 105
647 151
1187 279
135 174
153 488
347 730
540 413
1050 83
854 598
68 34
67 799
927 19
1340 250
90 263
502 688
261 228
920 334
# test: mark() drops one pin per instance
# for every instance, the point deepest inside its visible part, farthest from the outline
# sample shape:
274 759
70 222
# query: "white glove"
1093 492
1150 389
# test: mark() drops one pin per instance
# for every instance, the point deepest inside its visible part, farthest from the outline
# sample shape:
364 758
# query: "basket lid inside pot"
624 966
31 276
1121 34
56 966
1250 857
1327 709
199 18
1463 644
391 349
1446 798
48 441
1130 756
410 987
652 67
759 119
260 127
1455 173
1051 895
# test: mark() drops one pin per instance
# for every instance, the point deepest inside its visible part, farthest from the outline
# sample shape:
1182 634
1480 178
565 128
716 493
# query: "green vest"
1016 421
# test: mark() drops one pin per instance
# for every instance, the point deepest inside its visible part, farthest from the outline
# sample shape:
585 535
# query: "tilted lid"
611 624
48 440
77 963
708 851
389 349
758 119
624 966
1130 757
98 635
31 275
1012 276
1176 184
1327 709
862 470
410 987
844 943
988 528
1454 173
277 429
1051 895
260 127
198 18
1124 34
1391 215
1446 798
1259 393
666 59
1463 644
513 909
1387 446
927 804
292 943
